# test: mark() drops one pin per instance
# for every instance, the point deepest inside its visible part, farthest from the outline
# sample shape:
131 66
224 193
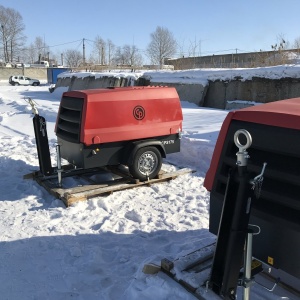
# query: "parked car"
23 80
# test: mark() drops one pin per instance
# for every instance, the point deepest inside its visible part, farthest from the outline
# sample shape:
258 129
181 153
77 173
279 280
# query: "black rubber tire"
146 163
35 84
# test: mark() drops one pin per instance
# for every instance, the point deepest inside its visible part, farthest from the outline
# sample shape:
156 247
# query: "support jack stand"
248 280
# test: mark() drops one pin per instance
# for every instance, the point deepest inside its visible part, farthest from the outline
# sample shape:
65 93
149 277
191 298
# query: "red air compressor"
133 126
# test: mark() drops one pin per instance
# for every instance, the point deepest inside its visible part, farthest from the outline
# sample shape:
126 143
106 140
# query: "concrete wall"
36 73
193 93
215 95
258 90
90 82
234 60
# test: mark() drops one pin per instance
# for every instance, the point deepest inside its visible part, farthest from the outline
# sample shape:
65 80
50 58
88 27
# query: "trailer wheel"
146 163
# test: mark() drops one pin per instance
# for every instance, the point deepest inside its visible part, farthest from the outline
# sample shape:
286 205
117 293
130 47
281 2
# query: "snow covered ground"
97 249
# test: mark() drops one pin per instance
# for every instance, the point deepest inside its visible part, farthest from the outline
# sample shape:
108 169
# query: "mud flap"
42 145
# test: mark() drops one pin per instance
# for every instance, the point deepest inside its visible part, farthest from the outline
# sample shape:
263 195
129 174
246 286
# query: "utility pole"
11 50
109 53
83 53
102 55
200 51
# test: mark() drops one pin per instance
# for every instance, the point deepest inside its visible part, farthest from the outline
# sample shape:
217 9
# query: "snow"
203 75
200 76
97 249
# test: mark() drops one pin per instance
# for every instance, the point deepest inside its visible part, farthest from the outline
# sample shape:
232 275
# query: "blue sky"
208 26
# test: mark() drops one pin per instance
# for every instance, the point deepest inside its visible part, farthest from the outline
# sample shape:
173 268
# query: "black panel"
279 204
86 157
42 144
69 119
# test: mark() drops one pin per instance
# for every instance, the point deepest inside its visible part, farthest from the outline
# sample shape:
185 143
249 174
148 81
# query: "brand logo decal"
139 112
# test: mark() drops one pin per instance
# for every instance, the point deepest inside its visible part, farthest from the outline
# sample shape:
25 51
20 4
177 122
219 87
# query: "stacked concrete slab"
261 90
214 94
91 82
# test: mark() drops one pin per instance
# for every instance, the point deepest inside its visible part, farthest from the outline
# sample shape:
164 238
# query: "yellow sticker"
270 260
255 264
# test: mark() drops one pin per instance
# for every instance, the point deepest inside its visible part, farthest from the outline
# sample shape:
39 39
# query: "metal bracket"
257 181
59 168
259 177
33 105
246 283
269 289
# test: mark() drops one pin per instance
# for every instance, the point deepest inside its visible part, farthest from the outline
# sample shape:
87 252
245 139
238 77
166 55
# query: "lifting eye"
245 134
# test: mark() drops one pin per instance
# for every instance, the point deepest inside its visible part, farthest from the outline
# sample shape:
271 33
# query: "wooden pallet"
91 188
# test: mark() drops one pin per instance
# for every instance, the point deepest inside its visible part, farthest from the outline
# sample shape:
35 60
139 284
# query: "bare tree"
73 58
12 37
279 55
111 51
181 48
100 50
119 57
38 50
133 56
162 45
296 44
128 56
193 48
31 53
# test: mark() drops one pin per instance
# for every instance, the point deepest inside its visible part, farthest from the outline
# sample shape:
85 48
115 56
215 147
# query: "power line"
65 43
36 48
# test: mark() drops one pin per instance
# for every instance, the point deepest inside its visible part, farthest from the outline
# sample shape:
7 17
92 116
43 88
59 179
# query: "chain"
256 186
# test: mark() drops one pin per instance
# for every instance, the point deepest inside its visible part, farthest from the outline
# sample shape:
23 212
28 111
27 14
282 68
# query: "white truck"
40 64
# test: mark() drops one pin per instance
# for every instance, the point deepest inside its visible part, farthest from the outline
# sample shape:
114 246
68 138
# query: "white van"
40 64
45 63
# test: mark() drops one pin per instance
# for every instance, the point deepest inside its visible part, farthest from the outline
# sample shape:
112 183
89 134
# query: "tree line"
104 52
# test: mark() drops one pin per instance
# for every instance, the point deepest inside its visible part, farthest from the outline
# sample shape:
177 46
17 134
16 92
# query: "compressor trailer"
106 128
133 126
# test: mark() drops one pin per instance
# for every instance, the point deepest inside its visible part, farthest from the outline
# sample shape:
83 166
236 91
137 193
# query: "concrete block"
193 93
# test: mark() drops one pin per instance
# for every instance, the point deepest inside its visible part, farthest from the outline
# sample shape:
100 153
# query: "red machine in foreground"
275 211
254 184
